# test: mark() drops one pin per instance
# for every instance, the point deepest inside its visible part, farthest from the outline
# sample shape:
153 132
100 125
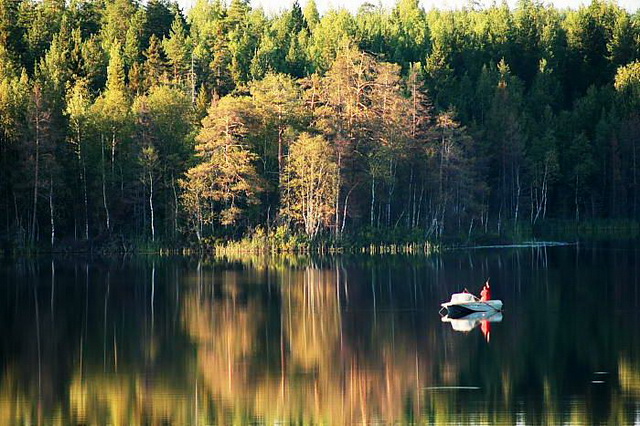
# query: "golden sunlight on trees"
278 103
225 183
310 186
627 80
528 87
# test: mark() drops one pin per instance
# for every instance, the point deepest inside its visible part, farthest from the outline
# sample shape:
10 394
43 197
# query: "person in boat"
485 293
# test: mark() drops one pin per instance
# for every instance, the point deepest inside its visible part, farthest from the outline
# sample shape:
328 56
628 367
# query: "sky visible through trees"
353 5
138 121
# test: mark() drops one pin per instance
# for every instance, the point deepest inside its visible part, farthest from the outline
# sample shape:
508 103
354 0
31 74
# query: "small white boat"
462 304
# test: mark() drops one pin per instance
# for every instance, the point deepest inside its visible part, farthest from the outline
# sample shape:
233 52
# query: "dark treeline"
134 120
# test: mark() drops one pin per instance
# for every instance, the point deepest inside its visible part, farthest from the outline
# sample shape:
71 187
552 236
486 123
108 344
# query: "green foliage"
627 82
437 124
409 31
133 42
178 49
156 67
94 63
116 20
311 15
225 182
157 20
278 105
335 31
310 185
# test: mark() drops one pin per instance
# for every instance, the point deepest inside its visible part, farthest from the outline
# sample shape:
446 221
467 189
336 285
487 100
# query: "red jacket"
485 294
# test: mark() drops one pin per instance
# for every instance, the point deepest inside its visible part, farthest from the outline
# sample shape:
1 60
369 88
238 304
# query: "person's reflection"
485 326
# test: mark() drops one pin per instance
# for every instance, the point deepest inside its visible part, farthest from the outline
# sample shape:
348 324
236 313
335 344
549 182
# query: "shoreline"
369 242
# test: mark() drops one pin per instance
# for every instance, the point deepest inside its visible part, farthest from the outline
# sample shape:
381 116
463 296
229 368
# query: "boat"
462 304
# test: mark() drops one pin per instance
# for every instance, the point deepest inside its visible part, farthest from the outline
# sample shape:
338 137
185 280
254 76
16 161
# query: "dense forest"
140 122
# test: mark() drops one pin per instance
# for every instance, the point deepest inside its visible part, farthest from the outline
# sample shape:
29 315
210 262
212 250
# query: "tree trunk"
199 226
36 178
392 174
517 200
86 200
104 188
533 202
280 151
51 216
635 181
193 82
412 208
373 197
338 196
16 211
153 225
113 152
576 201
545 191
175 206
83 180
344 213
419 206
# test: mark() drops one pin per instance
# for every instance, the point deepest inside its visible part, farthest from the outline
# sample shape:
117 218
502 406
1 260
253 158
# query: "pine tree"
11 33
116 22
94 63
158 20
505 135
156 67
237 12
311 15
278 103
178 50
134 39
225 183
409 32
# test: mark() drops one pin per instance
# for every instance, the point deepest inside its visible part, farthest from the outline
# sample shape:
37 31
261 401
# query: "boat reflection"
468 322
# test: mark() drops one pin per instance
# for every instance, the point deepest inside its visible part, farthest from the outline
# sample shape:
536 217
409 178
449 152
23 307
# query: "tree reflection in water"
334 340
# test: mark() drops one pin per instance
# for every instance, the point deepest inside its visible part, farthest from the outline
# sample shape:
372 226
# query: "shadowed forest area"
123 122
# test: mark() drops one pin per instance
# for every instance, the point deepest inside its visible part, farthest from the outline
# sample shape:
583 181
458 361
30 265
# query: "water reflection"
468 322
338 341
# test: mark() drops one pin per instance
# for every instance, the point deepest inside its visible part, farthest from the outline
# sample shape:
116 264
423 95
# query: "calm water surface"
347 340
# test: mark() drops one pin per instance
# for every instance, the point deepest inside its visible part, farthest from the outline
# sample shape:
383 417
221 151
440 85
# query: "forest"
127 121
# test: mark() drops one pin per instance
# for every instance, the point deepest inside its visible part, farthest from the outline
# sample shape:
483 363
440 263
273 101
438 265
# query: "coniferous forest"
122 120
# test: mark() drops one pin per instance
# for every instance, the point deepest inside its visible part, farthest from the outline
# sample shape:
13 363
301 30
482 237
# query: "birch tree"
112 111
78 104
309 190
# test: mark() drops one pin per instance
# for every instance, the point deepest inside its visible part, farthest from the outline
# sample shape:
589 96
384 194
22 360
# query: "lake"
335 340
